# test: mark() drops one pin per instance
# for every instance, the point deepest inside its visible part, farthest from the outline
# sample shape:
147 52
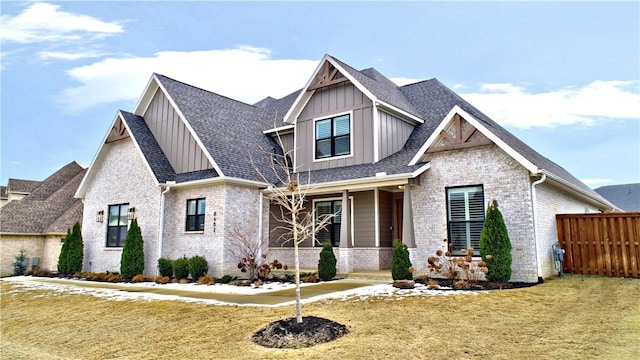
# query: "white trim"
296 108
376 134
398 111
330 117
313 214
363 183
555 180
147 96
486 132
376 216
279 129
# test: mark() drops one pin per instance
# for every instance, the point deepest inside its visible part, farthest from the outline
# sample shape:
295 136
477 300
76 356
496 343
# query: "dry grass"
571 318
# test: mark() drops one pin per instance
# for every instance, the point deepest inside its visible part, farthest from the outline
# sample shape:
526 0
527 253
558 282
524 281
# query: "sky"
562 76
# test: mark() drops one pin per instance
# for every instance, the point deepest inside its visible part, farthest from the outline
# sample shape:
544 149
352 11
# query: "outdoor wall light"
100 216
132 213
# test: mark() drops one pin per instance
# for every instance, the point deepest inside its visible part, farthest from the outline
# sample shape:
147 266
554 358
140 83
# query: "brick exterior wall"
552 201
503 179
121 177
46 248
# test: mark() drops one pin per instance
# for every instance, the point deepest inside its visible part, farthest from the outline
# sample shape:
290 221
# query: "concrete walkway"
267 298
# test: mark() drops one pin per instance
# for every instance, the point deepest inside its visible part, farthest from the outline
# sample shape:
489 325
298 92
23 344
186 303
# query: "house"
38 216
17 189
415 163
625 196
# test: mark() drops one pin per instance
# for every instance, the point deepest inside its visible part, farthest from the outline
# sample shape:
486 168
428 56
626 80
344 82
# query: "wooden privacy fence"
600 244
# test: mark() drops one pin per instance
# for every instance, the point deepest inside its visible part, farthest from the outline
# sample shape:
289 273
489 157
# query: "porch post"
408 237
345 251
345 226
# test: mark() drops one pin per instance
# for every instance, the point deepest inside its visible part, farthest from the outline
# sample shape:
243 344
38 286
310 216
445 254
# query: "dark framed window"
117 225
332 232
333 136
195 214
465 217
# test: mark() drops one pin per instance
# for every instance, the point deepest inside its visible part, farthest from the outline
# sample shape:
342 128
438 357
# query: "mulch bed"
478 285
288 334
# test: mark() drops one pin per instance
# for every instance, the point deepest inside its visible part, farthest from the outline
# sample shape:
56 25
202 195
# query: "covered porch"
361 233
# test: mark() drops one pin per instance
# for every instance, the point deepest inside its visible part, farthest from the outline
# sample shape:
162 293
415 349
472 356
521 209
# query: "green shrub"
20 263
181 268
495 246
165 267
198 267
327 263
71 254
132 260
401 268
225 279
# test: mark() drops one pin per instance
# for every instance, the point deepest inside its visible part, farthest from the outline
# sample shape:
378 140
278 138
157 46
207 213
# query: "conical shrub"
327 263
495 246
132 260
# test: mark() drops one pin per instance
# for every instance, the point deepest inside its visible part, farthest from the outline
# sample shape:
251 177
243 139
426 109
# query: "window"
332 232
465 211
333 137
117 225
195 214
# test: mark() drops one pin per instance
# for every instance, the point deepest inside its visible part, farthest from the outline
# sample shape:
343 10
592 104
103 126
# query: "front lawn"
576 317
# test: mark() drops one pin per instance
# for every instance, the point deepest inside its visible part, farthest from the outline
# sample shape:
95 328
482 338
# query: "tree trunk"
297 262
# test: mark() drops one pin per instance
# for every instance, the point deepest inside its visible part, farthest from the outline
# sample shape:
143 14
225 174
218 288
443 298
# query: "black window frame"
471 225
332 138
119 230
333 228
195 222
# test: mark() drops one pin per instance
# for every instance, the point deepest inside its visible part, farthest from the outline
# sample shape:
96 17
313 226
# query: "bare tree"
296 224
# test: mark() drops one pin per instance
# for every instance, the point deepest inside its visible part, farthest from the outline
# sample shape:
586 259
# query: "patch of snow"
384 290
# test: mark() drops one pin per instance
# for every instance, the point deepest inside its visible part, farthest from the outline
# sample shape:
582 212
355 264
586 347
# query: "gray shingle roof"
51 206
626 196
22 186
231 131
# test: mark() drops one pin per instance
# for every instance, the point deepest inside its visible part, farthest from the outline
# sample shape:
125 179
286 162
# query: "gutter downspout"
534 204
260 205
161 231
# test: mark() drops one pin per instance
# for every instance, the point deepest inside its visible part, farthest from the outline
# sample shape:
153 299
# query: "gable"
459 134
176 141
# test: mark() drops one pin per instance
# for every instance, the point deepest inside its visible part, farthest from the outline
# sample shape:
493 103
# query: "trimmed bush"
71 254
495 246
327 263
165 267
198 267
20 263
181 268
132 260
401 268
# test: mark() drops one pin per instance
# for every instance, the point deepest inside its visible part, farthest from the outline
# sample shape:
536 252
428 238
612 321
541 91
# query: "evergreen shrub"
181 268
327 263
165 267
495 246
198 267
132 260
401 268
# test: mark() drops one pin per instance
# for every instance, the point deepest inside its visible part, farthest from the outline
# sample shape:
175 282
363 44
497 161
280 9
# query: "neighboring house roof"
626 196
50 208
22 186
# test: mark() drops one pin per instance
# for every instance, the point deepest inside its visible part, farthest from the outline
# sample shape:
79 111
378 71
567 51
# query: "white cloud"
57 55
513 105
401 81
42 22
243 73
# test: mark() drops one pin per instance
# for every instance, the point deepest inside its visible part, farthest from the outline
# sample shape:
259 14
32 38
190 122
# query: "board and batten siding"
177 143
393 134
326 102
